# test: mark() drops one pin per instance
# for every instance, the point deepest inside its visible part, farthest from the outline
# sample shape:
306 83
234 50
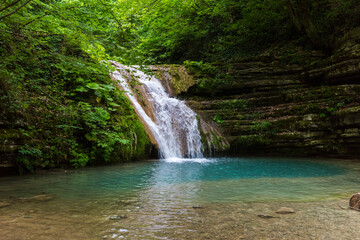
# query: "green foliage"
29 155
174 31
218 119
200 68
332 109
171 31
78 159
55 84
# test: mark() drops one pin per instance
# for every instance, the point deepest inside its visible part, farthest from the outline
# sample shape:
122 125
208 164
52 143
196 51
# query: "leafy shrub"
218 119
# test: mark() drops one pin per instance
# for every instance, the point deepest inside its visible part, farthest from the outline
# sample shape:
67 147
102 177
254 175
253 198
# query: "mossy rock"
176 77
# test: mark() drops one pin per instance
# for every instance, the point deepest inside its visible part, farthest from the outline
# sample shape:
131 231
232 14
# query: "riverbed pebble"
117 217
285 210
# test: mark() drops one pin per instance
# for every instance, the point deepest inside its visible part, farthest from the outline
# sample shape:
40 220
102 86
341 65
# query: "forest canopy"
158 31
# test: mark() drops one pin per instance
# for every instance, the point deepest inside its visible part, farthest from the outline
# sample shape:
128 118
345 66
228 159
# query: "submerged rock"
4 204
197 206
117 217
285 210
266 216
40 198
355 202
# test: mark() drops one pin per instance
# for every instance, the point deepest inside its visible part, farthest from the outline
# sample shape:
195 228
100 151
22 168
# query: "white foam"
183 160
176 127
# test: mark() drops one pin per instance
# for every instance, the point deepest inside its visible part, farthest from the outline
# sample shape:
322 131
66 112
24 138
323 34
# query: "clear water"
161 200
197 180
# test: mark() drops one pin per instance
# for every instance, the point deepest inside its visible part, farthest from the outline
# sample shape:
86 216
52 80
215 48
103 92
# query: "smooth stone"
40 198
266 216
285 210
43 197
354 202
117 217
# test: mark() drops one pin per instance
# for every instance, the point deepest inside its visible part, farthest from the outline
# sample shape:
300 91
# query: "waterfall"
173 124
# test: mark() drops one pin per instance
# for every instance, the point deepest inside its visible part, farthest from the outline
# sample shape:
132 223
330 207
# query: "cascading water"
175 126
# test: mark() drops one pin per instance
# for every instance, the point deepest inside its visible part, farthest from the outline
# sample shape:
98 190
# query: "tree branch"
111 12
37 18
2 17
10 5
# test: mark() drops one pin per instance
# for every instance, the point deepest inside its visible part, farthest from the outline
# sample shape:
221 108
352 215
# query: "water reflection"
248 180
211 180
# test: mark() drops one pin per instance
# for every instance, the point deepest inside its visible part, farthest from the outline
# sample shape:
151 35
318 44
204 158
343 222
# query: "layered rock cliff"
264 106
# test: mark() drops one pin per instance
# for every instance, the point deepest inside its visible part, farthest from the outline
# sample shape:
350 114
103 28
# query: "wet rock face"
355 202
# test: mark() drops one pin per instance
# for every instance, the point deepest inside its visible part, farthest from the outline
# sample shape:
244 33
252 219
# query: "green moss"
349 110
180 79
251 141
235 104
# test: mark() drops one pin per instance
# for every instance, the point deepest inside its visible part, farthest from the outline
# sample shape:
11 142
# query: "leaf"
81 89
114 104
93 86
109 98
89 137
